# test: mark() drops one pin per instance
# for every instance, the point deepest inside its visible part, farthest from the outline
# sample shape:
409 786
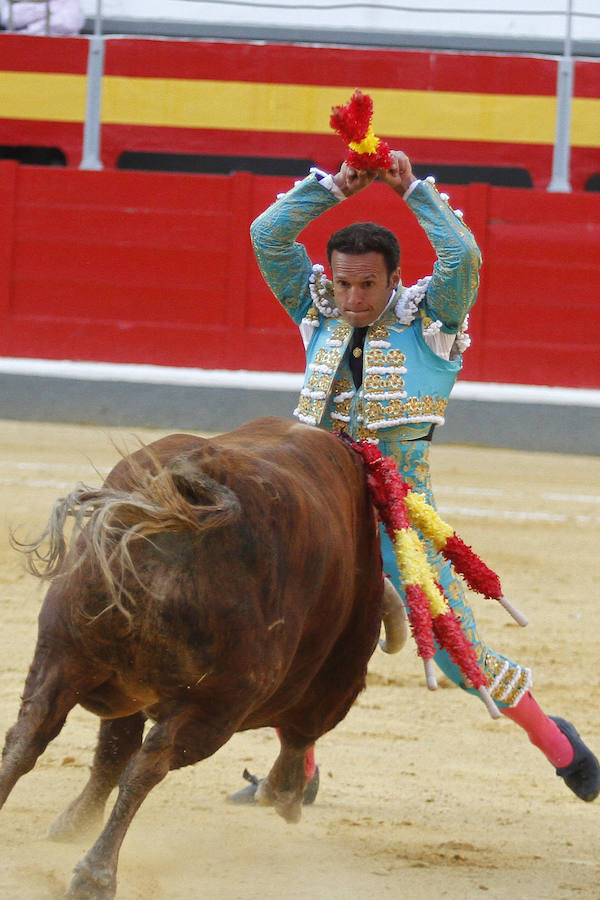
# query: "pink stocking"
542 731
310 766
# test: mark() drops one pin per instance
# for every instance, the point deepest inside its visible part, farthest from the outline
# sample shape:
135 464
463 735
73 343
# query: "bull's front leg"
47 699
118 739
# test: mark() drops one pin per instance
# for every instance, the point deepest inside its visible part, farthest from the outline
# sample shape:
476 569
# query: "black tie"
356 355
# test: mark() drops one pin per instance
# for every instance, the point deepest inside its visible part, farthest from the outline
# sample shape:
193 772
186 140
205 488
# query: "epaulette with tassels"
402 510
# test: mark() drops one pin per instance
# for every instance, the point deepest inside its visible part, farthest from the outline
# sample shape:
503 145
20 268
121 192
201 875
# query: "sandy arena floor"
422 794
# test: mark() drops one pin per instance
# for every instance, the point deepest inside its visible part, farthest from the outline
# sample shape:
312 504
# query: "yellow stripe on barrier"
305 109
47 97
585 122
253 106
297 109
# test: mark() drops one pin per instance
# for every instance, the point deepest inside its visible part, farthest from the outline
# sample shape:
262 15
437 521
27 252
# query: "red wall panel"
154 268
303 64
540 310
31 53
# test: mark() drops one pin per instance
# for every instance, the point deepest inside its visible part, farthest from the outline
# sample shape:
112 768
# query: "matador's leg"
508 681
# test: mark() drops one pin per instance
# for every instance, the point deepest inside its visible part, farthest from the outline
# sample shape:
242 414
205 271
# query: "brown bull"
212 586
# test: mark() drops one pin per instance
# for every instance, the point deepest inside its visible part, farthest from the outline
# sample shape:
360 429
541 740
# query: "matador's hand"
350 181
399 175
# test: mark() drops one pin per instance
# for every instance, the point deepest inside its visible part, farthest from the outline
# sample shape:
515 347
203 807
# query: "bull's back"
304 503
283 459
309 458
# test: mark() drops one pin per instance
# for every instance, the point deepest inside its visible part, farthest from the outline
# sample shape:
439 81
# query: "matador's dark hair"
366 237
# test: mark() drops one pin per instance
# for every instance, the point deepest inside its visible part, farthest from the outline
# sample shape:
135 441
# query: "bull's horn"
394 619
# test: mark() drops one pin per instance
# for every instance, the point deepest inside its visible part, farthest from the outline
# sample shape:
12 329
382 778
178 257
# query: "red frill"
419 617
387 488
351 121
478 576
451 638
365 162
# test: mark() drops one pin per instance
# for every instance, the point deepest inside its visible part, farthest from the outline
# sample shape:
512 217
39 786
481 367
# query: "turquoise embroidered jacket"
405 384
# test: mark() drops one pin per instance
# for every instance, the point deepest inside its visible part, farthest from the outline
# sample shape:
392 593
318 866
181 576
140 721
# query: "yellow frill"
369 143
415 569
425 518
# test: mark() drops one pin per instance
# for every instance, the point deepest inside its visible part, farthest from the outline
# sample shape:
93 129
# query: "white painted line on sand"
515 515
493 512
36 483
571 498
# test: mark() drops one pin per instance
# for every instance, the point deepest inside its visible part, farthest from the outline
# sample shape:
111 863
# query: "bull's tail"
171 498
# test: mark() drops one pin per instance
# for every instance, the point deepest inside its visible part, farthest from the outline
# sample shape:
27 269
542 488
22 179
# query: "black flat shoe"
312 789
247 794
582 775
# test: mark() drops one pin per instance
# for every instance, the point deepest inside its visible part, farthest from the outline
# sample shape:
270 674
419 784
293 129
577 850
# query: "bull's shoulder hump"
153 456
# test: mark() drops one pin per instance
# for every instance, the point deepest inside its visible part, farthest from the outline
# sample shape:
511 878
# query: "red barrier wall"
152 268
274 100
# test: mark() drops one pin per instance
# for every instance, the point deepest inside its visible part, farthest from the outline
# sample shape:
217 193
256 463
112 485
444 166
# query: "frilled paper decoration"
431 618
476 573
353 123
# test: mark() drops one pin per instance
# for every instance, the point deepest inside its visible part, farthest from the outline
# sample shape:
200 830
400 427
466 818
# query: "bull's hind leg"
283 788
324 705
118 739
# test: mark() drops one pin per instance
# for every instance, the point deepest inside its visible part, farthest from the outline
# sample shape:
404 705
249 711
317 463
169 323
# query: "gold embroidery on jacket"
402 410
381 402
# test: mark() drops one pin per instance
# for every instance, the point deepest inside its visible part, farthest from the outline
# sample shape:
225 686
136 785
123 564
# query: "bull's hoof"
582 775
286 804
91 885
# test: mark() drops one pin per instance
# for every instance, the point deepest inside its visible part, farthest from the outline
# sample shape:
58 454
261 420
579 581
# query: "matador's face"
362 286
